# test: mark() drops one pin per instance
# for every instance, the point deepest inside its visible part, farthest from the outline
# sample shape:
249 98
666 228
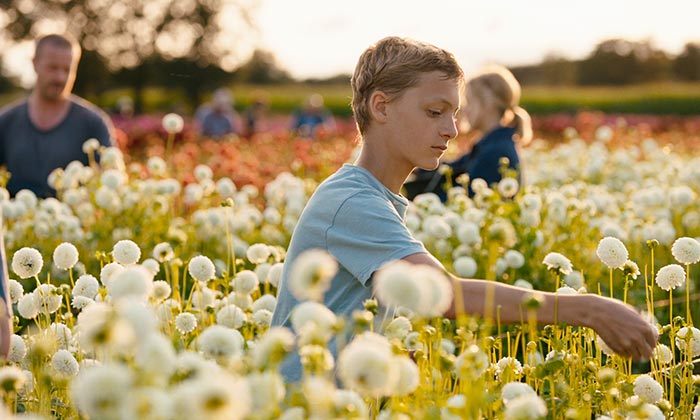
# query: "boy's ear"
377 106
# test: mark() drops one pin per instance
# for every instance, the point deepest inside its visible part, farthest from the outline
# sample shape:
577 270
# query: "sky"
322 38
319 38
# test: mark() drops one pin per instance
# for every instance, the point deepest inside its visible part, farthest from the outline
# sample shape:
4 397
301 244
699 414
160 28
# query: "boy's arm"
618 324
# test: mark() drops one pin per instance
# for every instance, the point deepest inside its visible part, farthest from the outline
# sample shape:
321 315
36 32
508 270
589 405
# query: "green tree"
687 65
619 62
127 37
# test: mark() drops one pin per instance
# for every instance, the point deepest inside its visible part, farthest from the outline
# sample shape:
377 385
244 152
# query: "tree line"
615 62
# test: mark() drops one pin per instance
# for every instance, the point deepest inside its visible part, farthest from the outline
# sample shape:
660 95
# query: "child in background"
492 109
406 96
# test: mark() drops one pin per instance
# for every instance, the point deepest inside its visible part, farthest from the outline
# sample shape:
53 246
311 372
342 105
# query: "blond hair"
498 85
393 65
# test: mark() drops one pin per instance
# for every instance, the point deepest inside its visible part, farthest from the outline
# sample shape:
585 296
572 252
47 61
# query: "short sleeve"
368 232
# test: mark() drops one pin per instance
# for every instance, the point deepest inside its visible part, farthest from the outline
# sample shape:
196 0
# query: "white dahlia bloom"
201 268
18 349
367 366
65 256
132 282
513 390
16 290
409 376
65 363
686 250
646 388
27 262
231 316
465 266
612 252
219 341
109 272
311 274
163 252
87 286
663 354
88 391
525 407
47 298
126 252
185 323
26 307
557 262
161 290
246 282
173 123
268 302
258 253
670 277
688 340
275 274
508 187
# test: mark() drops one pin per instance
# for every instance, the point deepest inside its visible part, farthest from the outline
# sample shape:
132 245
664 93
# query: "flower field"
145 291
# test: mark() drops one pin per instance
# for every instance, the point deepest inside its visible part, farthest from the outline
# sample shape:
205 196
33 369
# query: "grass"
657 98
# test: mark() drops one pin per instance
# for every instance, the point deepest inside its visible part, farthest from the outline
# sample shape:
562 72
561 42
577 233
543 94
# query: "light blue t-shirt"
360 222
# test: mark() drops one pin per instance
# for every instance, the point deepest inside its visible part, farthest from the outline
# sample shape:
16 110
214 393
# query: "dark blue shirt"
30 154
483 161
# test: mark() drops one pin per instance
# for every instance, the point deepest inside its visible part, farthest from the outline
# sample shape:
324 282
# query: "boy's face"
422 120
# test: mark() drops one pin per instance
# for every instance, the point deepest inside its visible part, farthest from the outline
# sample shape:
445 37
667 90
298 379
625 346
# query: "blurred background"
171 55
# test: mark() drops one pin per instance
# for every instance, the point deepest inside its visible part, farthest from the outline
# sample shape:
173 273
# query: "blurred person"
313 117
254 114
406 95
218 118
492 111
47 130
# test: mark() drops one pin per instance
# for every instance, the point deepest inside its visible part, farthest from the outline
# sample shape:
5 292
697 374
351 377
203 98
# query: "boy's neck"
376 162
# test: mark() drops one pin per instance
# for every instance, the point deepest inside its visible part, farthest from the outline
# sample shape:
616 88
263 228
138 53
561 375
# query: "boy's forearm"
508 304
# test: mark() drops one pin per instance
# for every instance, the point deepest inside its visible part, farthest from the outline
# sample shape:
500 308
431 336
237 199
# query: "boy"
406 95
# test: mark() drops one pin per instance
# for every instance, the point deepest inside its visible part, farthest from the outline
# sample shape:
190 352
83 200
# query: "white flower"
696 412
523 284
398 328
16 290
514 259
525 407
574 279
201 268
18 349
185 323
65 255
465 267
631 268
604 133
88 391
173 123
670 277
151 265
311 274
367 366
508 364
225 187
246 282
161 290
64 362
258 253
557 262
26 307
685 334
113 178
156 166
310 312
62 334
109 272
219 341
202 172
267 390
11 378
409 376
566 290
262 318
646 388
91 145
472 363
275 273
268 302
27 262
513 390
220 396
420 288
686 250
126 252
663 354
508 187
163 252
231 316
612 252
156 356
350 404
132 282
272 347
80 302
86 286
47 298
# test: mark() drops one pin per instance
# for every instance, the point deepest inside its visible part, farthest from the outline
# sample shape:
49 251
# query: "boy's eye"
434 112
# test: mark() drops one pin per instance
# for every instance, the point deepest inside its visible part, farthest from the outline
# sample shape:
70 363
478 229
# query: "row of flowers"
162 291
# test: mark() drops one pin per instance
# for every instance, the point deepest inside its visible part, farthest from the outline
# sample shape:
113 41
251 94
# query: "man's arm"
617 323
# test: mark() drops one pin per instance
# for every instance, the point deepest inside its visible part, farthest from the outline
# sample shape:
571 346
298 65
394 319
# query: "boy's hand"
622 328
